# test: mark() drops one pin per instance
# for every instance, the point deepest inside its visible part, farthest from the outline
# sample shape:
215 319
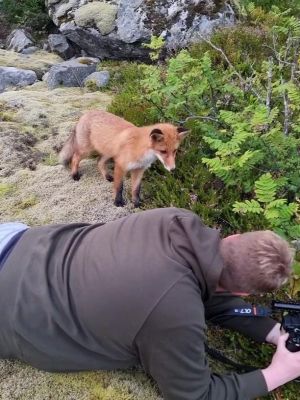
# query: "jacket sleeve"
170 346
256 328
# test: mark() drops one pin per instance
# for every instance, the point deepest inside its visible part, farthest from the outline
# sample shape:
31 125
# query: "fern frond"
265 188
251 206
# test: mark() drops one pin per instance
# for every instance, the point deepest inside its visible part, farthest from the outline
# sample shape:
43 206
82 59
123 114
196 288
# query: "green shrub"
268 4
245 122
126 83
30 13
245 46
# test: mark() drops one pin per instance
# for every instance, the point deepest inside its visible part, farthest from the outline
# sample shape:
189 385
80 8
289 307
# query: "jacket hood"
199 248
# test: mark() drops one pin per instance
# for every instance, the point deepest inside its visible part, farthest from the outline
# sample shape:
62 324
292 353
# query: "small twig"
286 122
269 88
198 117
242 80
157 106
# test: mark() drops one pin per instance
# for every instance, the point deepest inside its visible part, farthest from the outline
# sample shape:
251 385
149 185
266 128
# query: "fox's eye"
163 151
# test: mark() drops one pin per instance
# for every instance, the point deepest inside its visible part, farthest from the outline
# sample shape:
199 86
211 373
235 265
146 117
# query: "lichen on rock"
99 14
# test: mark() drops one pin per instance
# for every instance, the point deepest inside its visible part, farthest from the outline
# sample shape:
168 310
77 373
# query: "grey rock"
108 46
45 77
59 44
179 22
19 40
11 76
130 22
30 50
99 79
71 73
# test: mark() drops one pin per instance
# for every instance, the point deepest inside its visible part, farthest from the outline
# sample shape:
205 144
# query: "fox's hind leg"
102 168
136 178
75 166
119 173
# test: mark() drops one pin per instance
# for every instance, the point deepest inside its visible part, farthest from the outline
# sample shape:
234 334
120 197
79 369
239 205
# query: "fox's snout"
165 140
167 161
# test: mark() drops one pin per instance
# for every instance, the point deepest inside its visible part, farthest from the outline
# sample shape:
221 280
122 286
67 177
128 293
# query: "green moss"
7 116
51 160
103 385
98 13
91 85
39 62
27 203
6 189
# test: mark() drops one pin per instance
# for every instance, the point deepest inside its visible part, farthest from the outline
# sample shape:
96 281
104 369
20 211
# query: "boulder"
109 46
71 73
39 61
30 50
60 45
11 76
19 40
97 79
117 29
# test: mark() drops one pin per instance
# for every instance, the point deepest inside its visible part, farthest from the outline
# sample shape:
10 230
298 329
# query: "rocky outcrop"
60 45
117 29
19 40
11 76
71 73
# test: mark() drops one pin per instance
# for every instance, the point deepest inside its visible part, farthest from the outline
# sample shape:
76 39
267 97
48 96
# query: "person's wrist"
275 376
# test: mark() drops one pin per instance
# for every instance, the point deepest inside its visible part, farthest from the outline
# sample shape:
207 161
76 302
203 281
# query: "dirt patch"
17 150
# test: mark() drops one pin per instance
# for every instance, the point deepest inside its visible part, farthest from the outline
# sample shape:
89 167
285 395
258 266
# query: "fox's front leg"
75 166
119 173
136 178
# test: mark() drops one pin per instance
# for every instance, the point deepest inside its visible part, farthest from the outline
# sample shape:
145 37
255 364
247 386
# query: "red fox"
132 148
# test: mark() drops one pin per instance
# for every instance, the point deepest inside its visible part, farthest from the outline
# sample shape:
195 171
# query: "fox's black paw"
137 203
119 203
76 176
109 178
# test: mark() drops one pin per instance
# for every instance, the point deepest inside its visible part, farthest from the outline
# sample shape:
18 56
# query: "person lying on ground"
138 291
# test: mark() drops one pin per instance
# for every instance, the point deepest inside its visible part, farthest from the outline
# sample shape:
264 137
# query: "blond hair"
255 262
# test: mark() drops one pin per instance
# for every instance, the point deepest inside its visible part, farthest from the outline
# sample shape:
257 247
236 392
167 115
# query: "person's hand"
285 365
274 335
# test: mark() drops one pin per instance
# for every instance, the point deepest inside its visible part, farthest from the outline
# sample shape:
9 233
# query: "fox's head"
165 140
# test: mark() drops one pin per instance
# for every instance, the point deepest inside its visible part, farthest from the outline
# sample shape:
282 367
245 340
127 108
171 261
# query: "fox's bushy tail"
66 153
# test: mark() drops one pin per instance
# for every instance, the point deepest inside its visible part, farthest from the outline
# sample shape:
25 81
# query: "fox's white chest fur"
144 162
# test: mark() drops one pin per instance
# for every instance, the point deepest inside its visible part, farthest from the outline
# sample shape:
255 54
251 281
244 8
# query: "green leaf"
248 206
265 188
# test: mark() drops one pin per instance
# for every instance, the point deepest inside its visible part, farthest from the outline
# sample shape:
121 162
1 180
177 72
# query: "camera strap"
248 310
217 355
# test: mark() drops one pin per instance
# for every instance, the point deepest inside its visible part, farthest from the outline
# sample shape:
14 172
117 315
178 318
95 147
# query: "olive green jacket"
132 291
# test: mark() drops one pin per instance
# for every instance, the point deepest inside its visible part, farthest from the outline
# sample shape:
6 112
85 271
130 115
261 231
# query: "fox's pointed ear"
182 132
157 135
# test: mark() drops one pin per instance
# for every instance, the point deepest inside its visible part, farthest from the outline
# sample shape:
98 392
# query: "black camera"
290 322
